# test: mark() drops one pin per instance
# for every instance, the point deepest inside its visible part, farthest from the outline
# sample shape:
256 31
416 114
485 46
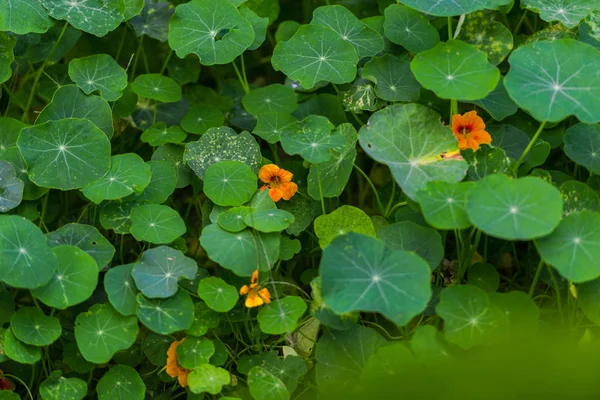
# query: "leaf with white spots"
219 144
411 139
128 174
66 154
26 260
578 196
269 220
269 99
449 8
85 237
194 352
393 78
31 326
121 382
204 319
57 387
574 246
101 331
218 294
444 204
409 28
455 70
569 12
158 271
358 273
312 138
492 37
514 209
23 16
263 385
214 30
153 20
229 183
281 315
156 224
99 72
315 53
120 289
70 102
97 17
241 252
582 145
11 187
157 87
73 281
470 318
365 40
202 117
166 316
554 79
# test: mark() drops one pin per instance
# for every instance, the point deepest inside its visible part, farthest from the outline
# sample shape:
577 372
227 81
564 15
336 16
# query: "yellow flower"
279 182
174 369
256 296
469 129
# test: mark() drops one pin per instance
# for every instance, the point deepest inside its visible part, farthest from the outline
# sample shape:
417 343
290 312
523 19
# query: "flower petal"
244 289
276 194
253 300
254 278
265 295
288 190
267 172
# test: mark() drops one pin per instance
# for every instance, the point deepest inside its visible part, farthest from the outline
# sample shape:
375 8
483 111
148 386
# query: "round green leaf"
30 190
20 352
185 70
312 138
569 12
316 54
70 102
264 385
358 273
23 16
155 347
229 183
154 20
128 174
99 72
101 332
204 319
232 220
156 224
242 252
489 36
158 134
582 145
31 326
410 139
11 187
85 237
166 316
66 154
120 289
484 276
97 17
26 261
219 144
116 215
444 204
162 183
57 387
392 77
269 99
214 30
365 40
470 318
208 379
448 8
409 28
157 87
281 315
157 271
121 382
510 139
514 209
194 352
588 294
574 246
408 236
73 281
289 248
73 358
554 79
218 294
10 132
499 105
455 70
341 221
202 117
269 220
132 8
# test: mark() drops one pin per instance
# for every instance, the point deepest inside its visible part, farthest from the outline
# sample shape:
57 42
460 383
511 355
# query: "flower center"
465 130
275 181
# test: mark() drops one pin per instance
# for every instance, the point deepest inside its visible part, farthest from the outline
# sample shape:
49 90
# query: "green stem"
12 97
136 57
16 378
401 204
240 78
244 72
381 209
391 200
44 207
536 278
275 153
449 28
121 43
121 248
164 66
40 71
321 190
520 22
529 146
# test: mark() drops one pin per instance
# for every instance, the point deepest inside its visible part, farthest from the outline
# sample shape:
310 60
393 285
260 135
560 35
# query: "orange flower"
279 182
174 369
256 296
469 129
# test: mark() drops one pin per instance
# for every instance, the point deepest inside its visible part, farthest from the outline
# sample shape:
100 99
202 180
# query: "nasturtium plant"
309 199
